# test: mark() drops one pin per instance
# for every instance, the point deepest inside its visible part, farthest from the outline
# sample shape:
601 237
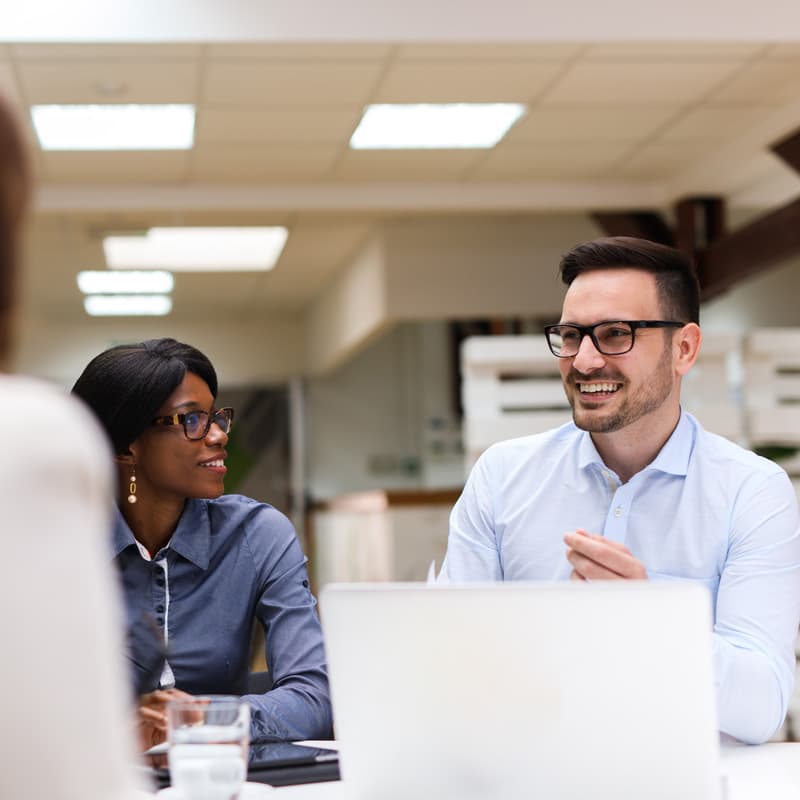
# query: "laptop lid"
518 690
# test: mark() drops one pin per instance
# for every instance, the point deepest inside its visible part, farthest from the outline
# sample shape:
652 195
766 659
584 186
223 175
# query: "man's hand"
595 558
151 719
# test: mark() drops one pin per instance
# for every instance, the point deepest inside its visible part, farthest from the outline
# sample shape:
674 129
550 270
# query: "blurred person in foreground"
205 567
63 688
635 488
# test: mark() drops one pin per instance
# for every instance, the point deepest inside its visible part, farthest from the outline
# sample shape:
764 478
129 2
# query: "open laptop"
496 692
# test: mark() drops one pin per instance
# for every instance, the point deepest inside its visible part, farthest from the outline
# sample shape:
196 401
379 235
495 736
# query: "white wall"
256 352
371 420
767 300
487 266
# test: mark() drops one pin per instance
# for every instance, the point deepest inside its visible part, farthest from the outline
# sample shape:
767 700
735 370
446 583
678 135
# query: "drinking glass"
208 746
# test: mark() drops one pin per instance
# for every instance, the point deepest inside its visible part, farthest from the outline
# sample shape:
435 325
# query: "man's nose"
588 357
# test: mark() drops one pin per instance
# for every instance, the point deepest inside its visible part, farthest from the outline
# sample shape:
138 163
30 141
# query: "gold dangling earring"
132 486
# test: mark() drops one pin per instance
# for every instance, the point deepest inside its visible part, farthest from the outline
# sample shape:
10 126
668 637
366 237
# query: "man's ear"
687 345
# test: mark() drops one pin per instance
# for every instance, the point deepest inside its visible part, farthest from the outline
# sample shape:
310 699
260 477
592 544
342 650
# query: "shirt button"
160 622
618 512
160 609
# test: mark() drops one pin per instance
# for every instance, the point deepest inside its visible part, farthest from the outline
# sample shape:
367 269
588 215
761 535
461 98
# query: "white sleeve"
472 550
758 611
67 712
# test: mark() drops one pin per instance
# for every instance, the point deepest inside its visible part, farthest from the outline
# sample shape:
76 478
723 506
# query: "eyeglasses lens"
223 419
195 424
613 338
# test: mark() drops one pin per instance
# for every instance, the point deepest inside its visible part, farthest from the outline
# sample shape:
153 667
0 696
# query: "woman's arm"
298 705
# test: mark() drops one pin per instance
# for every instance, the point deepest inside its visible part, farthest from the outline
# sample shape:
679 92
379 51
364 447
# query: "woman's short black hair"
126 385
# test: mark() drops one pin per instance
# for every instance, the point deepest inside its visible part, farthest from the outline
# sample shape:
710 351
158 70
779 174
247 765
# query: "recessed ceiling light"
127 305
127 282
423 126
197 249
114 127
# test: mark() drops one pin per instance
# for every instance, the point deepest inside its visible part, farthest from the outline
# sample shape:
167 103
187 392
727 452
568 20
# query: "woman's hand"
151 716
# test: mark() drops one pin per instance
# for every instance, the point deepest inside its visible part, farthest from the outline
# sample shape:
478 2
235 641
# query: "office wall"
482 266
384 419
770 299
245 353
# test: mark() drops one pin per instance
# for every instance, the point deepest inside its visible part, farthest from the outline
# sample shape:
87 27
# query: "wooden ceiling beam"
750 250
788 150
642 224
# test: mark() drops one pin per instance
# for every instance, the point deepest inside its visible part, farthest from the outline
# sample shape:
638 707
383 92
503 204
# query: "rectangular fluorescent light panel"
114 127
127 282
428 126
127 305
197 249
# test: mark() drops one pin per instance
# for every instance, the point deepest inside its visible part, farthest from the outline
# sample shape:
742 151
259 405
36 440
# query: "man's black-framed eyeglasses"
612 338
196 424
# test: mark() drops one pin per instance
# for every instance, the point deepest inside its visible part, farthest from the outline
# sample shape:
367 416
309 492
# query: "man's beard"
650 396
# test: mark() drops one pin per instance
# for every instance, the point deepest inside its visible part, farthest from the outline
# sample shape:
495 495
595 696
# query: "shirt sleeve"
472 547
298 704
758 611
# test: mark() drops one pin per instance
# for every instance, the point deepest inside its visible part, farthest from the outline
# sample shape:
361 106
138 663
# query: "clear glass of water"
208 746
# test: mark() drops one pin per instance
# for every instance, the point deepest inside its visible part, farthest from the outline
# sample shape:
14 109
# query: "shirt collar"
192 537
673 458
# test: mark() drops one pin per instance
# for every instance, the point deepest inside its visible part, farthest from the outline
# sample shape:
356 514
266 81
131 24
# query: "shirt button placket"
159 593
617 517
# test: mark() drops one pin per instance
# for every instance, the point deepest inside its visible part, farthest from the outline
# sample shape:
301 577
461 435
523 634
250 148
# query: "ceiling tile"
195 290
104 168
789 51
762 83
290 126
637 83
94 52
8 85
291 84
405 165
299 51
672 51
587 124
314 252
491 81
249 164
713 122
660 160
507 51
109 81
549 160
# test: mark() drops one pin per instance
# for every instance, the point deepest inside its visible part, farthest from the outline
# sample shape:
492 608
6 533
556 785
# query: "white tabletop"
767 772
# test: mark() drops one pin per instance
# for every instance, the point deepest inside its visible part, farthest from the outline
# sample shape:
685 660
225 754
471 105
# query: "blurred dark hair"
676 279
126 385
15 191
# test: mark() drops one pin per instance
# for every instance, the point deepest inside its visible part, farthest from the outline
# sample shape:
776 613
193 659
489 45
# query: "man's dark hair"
126 385
676 279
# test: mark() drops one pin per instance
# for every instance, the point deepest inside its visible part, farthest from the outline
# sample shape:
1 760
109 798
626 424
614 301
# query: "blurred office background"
345 359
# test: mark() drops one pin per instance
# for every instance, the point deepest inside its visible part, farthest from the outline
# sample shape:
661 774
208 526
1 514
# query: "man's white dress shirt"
705 510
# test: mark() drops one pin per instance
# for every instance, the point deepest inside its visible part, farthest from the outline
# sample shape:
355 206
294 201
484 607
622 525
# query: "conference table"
767 772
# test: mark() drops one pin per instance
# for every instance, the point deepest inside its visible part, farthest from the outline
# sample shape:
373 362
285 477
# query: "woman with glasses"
200 567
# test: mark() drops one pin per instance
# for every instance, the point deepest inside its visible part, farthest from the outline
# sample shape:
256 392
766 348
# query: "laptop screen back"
522 690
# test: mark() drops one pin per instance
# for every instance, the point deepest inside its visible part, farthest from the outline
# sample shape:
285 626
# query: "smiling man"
635 488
